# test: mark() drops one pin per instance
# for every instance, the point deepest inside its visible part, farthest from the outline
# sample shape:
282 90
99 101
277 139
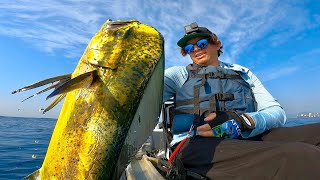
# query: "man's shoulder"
176 70
178 74
235 67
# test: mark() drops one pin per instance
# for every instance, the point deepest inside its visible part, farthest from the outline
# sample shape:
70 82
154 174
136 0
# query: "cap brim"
183 41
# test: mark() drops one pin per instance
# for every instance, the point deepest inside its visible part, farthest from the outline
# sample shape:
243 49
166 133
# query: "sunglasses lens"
188 48
202 43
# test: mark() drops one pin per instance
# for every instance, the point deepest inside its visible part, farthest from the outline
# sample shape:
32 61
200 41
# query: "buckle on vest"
224 96
215 75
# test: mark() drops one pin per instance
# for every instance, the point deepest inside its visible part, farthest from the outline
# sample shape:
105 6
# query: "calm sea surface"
23 144
24 141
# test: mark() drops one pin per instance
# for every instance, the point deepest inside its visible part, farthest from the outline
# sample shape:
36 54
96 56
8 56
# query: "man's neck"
216 62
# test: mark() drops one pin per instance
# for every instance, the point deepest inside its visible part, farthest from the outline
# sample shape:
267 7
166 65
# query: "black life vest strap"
190 111
218 96
216 75
196 104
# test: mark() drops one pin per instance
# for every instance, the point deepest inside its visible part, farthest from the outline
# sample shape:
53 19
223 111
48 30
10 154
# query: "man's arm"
269 112
174 78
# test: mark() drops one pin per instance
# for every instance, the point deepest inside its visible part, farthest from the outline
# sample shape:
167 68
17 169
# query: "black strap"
223 116
167 116
218 96
213 103
216 75
239 117
196 104
191 111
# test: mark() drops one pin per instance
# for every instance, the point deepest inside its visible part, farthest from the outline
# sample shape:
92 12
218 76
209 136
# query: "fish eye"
119 33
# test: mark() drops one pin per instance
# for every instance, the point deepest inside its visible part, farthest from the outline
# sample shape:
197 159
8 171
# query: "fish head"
124 55
108 45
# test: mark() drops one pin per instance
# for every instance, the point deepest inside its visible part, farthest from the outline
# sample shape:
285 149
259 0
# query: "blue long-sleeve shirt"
269 113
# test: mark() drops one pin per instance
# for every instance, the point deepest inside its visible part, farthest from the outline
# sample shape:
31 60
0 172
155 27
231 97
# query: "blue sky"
278 40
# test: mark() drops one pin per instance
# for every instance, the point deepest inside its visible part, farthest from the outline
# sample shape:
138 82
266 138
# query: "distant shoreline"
28 117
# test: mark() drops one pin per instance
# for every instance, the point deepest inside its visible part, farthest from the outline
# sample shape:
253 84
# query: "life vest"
210 89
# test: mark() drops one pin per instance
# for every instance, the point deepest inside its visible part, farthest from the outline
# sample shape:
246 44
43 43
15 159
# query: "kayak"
143 166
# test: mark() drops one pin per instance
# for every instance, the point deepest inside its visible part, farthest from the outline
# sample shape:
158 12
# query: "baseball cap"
192 31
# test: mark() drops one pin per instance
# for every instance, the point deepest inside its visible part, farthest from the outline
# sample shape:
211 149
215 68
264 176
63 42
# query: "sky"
279 41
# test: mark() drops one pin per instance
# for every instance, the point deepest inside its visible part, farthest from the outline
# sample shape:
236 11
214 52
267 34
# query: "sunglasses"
202 43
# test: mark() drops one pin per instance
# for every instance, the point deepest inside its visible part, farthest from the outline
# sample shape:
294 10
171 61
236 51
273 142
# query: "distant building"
308 115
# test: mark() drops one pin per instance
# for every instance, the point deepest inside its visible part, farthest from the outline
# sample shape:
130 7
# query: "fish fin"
81 81
54 102
60 79
34 175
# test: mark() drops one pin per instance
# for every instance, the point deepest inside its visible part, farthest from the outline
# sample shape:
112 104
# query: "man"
232 115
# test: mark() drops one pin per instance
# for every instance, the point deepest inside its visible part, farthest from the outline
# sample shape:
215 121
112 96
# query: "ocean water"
23 145
24 142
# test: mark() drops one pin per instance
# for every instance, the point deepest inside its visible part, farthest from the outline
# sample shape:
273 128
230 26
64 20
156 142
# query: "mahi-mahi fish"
112 103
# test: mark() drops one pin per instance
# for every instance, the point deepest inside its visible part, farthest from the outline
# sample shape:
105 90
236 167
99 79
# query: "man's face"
206 56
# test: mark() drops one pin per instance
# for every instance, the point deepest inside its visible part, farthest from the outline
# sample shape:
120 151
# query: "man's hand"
229 129
205 130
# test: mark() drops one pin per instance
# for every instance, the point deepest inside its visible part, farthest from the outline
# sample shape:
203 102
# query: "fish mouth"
116 24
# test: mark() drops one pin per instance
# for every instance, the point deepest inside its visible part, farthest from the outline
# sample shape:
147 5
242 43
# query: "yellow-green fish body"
120 87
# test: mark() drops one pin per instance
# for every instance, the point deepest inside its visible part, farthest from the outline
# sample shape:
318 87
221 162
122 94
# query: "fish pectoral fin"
81 81
56 80
44 90
54 102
